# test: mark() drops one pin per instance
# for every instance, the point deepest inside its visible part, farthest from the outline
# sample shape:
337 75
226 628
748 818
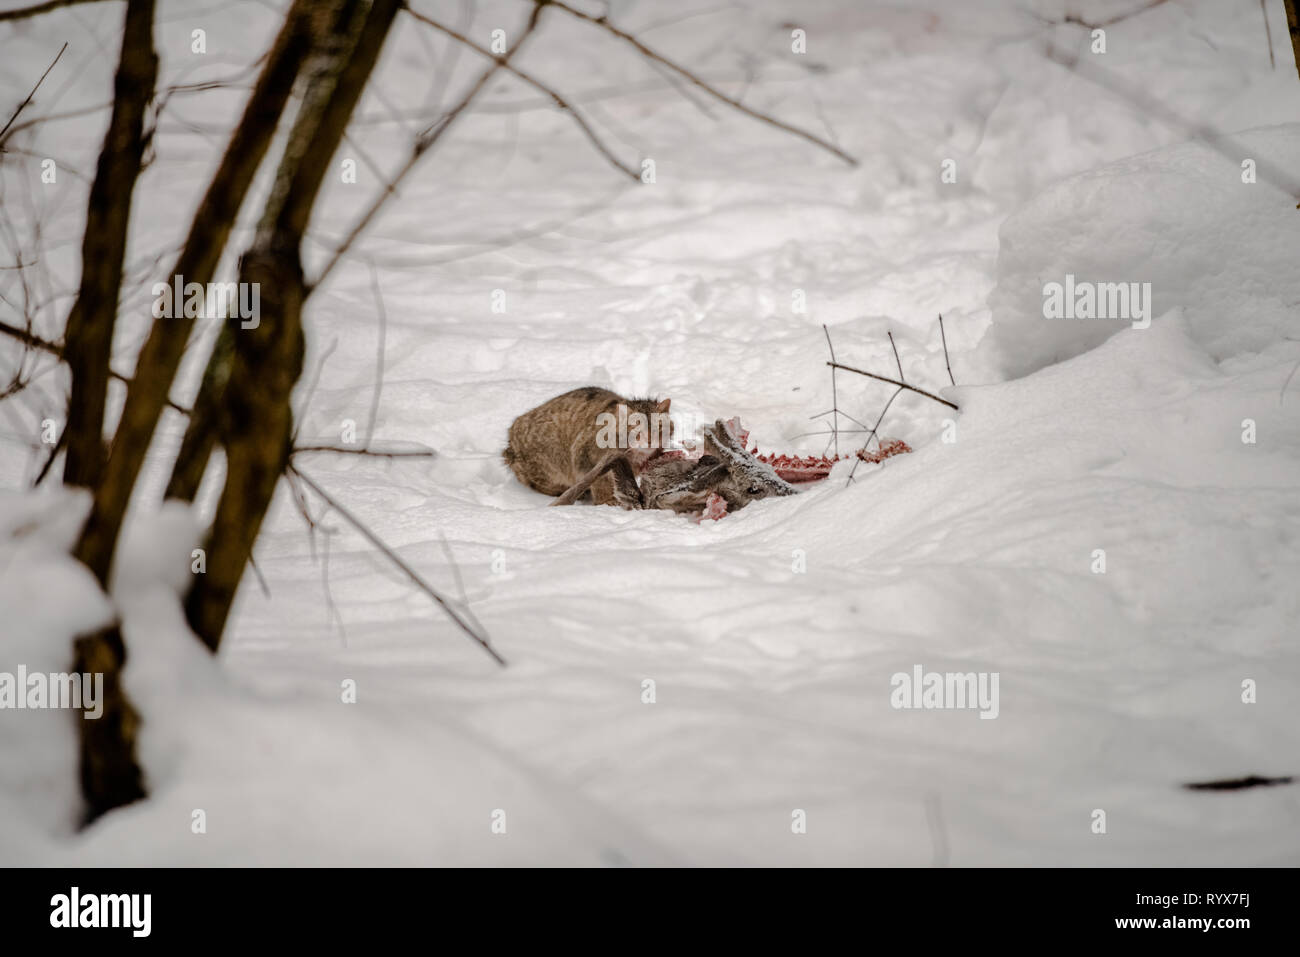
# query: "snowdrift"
1181 219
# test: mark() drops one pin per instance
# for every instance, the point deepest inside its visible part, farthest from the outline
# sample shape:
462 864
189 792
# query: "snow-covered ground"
771 637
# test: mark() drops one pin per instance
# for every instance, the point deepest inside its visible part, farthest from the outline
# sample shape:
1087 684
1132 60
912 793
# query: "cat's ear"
663 405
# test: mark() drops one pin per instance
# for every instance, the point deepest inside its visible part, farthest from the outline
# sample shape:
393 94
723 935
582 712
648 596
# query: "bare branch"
49 461
54 349
835 399
393 557
554 96
429 136
1268 34
379 350
904 385
161 353
874 434
372 453
944 337
30 339
1293 27
256 417
460 585
23 104
38 8
686 74
1111 21
88 340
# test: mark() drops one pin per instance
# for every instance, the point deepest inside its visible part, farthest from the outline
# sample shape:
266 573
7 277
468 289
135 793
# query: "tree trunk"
162 351
1293 25
89 334
110 775
201 431
256 420
255 417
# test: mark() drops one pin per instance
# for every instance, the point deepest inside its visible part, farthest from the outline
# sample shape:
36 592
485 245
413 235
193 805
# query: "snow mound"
1181 219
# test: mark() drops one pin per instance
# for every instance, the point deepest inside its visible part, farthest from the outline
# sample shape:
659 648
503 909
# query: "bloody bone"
794 469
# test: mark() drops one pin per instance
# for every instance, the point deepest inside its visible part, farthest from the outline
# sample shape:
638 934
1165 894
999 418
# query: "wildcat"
551 447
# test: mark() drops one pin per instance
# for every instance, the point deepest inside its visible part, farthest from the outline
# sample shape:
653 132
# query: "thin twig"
843 413
31 339
1268 33
1111 21
311 388
23 104
904 385
38 8
681 71
875 433
946 362
300 499
54 349
835 399
460 584
337 618
831 432
374 453
261 581
554 96
379 357
1281 395
54 454
393 557
899 361
429 136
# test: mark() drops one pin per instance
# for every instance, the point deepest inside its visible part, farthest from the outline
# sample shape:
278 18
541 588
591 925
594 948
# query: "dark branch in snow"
874 434
901 385
835 399
1238 784
893 345
374 453
946 361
